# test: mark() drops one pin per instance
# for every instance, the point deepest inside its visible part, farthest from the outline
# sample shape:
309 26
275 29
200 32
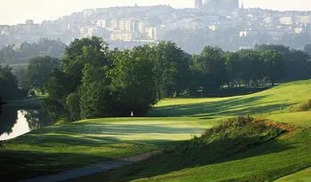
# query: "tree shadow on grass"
228 107
54 149
18 164
103 135
192 156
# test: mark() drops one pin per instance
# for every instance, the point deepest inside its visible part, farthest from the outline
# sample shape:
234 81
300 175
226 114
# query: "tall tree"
210 65
132 78
95 93
274 65
84 51
171 69
67 88
253 66
8 84
38 72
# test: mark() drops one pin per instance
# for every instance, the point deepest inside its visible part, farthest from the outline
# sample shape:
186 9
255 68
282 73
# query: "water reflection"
15 122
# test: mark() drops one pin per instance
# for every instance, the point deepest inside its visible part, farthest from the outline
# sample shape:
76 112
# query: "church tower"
198 4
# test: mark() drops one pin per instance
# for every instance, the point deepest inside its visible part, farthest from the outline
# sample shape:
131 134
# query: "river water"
15 122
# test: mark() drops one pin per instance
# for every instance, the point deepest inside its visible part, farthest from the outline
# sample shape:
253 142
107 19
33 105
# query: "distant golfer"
132 113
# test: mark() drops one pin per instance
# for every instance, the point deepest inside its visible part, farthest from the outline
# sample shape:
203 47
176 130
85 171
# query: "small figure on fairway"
132 113
281 108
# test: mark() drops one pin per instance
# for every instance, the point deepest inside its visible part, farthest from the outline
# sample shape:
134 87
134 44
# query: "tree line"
91 80
12 54
8 86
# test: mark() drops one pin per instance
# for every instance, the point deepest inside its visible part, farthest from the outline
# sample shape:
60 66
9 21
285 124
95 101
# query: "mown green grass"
170 122
273 101
301 176
60 147
268 161
271 160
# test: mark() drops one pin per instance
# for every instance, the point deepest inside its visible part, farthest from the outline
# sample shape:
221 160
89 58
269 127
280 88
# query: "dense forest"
91 80
8 85
13 54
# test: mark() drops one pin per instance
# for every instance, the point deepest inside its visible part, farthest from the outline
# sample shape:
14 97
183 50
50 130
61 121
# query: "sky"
17 11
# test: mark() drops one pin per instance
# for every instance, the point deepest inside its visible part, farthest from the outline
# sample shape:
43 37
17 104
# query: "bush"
305 106
302 107
243 130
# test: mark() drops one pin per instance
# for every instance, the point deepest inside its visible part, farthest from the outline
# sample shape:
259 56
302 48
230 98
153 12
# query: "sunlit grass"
301 176
61 147
273 101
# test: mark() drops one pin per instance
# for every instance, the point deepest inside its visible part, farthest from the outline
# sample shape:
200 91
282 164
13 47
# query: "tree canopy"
8 85
95 81
38 72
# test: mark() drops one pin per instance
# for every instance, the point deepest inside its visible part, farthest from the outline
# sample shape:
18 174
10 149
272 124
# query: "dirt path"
92 169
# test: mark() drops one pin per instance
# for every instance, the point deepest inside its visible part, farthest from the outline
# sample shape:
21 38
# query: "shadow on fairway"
228 107
55 148
185 158
17 165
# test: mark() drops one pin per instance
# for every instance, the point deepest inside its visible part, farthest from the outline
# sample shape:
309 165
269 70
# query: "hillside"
271 101
267 155
268 160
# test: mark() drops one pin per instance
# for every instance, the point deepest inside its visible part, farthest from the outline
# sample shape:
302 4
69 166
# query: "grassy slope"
61 147
280 157
263 103
301 176
57 148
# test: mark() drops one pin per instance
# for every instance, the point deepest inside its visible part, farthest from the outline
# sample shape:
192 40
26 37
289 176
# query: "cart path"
92 169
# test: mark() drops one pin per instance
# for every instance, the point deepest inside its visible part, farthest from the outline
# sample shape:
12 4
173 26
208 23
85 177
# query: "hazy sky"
17 11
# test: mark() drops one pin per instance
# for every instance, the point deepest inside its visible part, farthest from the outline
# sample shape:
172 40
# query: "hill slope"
270 160
275 100
170 123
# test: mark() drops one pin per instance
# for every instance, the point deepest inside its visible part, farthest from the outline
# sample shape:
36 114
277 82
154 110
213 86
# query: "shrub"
302 107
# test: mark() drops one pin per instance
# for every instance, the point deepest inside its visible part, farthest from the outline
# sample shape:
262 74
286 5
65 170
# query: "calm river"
15 122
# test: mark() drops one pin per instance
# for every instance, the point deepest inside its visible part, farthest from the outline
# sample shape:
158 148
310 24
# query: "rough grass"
302 107
224 160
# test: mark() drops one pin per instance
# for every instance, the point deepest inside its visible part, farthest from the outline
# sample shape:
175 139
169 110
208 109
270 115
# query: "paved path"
92 169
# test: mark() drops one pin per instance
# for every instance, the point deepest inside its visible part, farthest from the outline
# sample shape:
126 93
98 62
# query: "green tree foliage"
132 78
58 88
95 92
210 68
296 63
274 65
73 106
252 66
84 51
94 81
76 90
21 54
38 72
171 68
234 68
8 85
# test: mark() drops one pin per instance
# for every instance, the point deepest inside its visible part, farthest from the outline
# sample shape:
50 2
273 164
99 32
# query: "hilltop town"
223 23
